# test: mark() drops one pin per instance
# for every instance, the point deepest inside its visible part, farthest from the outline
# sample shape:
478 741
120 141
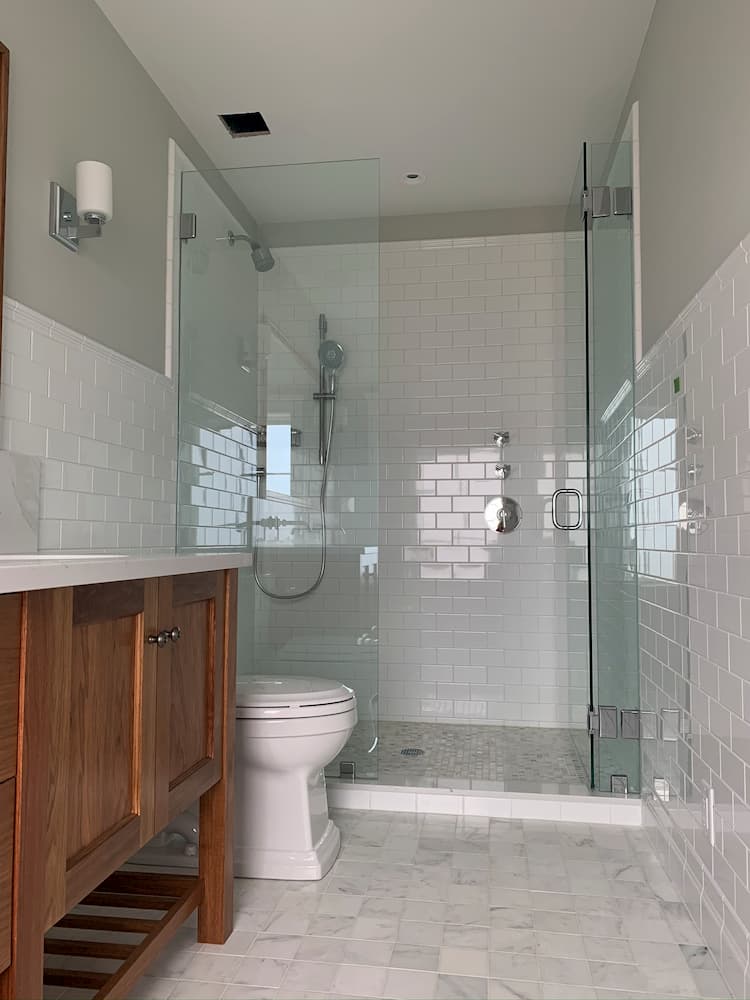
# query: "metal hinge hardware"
601 202
603 722
188 226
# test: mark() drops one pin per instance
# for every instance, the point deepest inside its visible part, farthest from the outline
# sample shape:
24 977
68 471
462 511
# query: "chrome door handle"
579 517
174 633
160 639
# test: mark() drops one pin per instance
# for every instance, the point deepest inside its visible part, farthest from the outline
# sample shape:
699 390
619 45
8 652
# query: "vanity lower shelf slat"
177 896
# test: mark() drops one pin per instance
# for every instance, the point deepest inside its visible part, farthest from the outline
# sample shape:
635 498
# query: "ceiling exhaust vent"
245 124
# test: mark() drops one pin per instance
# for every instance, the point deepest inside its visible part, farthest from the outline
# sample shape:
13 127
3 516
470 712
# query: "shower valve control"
501 438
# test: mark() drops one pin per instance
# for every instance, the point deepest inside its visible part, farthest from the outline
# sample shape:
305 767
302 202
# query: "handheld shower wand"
331 357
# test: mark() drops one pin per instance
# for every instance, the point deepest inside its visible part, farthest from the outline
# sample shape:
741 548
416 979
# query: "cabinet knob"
174 633
160 639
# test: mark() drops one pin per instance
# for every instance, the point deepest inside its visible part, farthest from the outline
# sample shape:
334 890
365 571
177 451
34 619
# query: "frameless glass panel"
574 277
278 448
613 567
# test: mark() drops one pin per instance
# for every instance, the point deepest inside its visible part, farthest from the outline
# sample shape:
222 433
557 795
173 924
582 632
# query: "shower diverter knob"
503 514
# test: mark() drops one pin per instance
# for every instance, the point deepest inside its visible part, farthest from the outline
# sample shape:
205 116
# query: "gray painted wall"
457 225
693 86
430 226
76 93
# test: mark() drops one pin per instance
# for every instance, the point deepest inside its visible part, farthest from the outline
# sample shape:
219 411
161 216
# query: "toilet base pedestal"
309 866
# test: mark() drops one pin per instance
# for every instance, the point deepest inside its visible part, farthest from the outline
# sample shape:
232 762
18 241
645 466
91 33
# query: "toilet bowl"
288 729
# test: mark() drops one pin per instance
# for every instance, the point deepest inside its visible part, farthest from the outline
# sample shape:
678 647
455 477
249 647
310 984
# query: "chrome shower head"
263 259
331 355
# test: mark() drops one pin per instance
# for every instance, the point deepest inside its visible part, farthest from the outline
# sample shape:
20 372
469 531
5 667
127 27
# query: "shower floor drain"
412 752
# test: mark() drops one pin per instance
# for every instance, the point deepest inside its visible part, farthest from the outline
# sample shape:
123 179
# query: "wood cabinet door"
190 691
109 731
10 665
7 818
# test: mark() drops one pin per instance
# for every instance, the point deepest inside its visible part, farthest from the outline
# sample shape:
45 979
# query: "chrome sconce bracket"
63 219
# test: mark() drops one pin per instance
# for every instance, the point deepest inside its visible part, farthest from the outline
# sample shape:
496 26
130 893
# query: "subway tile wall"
218 462
330 632
479 335
693 517
104 427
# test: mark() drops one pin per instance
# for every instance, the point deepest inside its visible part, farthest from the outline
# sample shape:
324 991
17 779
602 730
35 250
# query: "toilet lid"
268 696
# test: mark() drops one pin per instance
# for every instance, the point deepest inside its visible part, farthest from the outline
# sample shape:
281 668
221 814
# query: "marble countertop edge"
43 571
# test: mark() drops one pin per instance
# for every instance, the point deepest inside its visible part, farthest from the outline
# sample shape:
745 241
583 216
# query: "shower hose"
323 543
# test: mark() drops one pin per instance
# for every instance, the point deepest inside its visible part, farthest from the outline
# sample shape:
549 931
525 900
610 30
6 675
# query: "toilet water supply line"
325 394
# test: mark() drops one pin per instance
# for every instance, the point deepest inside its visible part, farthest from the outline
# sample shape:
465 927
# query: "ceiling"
490 99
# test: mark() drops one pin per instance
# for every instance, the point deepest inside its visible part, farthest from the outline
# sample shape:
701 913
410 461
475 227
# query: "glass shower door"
608 244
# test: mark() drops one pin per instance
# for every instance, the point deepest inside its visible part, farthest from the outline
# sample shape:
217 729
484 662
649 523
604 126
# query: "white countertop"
51 569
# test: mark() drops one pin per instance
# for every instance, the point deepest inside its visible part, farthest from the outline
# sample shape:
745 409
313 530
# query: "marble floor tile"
441 916
401 984
414 956
510 989
260 972
560 945
461 988
464 961
422 933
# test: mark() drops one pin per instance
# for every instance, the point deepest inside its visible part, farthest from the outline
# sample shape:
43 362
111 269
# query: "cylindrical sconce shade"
94 190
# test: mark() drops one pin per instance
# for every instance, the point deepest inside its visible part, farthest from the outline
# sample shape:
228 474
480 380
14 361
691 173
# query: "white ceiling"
489 98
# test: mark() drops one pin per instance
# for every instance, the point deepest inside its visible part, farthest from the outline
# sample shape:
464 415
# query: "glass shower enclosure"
278 428
278 414
601 226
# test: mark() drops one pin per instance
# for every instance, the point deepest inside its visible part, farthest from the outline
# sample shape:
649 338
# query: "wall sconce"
92 203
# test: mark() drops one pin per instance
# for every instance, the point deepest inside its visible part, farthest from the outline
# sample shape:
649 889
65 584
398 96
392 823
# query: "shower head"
331 355
263 259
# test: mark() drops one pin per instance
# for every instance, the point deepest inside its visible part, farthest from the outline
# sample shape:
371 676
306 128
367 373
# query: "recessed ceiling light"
413 177
245 124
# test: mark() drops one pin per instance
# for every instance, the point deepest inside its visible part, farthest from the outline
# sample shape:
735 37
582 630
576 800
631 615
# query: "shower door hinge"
601 202
622 201
188 226
602 722
630 724
585 203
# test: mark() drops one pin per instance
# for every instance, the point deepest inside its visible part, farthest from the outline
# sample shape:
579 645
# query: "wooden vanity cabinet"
127 717
11 610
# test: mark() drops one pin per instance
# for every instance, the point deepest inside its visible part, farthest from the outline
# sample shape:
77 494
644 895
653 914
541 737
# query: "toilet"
288 730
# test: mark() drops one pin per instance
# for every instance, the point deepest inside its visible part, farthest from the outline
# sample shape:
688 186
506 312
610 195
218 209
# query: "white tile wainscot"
499 805
692 410
104 428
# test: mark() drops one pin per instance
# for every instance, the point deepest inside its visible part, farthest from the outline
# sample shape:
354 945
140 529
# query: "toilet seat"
270 697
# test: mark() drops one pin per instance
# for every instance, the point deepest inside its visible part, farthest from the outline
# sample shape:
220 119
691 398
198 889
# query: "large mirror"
4 75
